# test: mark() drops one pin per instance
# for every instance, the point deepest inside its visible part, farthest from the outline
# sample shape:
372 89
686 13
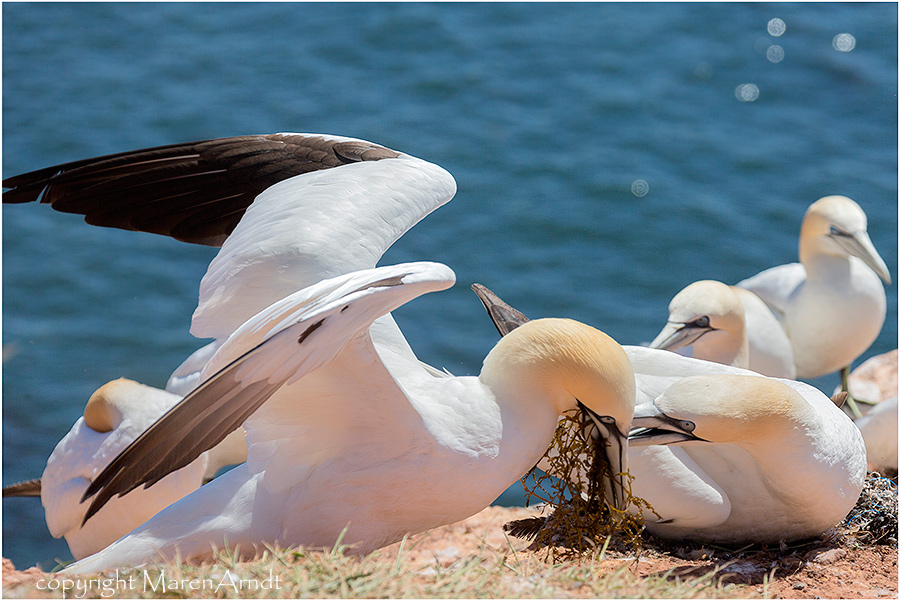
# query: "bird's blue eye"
606 419
835 231
701 322
686 425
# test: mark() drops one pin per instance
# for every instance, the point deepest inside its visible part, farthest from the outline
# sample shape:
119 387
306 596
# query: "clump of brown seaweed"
582 519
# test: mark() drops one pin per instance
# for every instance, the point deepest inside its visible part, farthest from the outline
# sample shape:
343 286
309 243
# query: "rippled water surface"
606 154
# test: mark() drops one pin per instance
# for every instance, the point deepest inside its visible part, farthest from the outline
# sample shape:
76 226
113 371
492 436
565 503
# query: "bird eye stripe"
834 231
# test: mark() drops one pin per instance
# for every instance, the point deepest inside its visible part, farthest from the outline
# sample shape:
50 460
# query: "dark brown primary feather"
505 318
194 192
195 424
29 488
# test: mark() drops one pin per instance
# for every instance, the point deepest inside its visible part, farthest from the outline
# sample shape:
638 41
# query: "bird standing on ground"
831 304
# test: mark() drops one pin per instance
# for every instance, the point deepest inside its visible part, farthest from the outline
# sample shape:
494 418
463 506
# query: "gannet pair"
727 455
343 446
800 320
115 415
831 304
349 435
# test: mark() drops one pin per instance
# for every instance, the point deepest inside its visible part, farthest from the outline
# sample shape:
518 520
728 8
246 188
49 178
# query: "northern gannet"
346 445
831 304
288 210
746 459
116 414
713 321
724 454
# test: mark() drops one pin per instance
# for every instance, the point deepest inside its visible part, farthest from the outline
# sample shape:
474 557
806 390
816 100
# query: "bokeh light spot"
746 92
775 53
776 27
844 42
640 188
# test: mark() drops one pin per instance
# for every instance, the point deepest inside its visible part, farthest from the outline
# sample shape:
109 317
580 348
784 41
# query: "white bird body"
879 430
317 205
360 442
831 304
289 210
779 461
116 414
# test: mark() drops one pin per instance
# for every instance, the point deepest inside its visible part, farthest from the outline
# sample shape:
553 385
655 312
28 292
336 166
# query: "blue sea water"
606 154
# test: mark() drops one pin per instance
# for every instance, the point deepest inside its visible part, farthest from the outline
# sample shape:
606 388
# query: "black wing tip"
27 488
505 317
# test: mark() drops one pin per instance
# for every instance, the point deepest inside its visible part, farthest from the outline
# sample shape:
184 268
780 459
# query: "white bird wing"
278 346
776 285
771 353
311 227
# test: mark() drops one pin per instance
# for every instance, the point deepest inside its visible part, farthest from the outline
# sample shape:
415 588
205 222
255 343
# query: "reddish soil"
836 569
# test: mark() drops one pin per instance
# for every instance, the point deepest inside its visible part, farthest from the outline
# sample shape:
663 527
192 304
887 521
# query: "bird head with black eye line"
836 226
710 316
746 410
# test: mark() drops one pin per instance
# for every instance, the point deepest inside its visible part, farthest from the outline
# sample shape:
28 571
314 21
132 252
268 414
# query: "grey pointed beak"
611 461
676 335
653 427
860 246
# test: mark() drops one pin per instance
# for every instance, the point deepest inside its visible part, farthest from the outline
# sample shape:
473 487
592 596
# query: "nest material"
582 520
873 520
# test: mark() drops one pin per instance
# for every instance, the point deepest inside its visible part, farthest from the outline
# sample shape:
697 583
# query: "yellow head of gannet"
574 366
709 316
107 407
835 226
723 408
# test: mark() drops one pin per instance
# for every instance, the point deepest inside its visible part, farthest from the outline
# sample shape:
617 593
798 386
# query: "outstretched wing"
281 344
311 227
194 192
288 209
